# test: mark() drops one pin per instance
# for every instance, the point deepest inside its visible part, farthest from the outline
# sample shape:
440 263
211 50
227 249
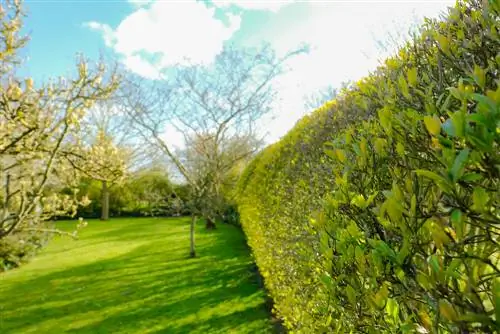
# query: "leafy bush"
380 212
231 215
147 192
18 248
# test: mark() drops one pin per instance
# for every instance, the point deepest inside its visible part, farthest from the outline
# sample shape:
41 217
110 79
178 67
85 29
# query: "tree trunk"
210 224
104 201
192 253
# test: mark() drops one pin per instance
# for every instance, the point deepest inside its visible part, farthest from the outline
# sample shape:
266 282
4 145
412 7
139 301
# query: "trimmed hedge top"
380 211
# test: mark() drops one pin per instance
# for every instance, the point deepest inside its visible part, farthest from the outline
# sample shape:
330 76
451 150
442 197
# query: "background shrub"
18 248
148 192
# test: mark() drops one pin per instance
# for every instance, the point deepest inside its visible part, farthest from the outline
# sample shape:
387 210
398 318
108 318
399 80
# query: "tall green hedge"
379 213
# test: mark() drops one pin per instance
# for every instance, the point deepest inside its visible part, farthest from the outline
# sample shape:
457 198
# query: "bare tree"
317 99
213 169
213 107
327 93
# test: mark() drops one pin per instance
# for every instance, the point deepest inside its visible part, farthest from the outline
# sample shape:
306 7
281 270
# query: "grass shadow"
146 285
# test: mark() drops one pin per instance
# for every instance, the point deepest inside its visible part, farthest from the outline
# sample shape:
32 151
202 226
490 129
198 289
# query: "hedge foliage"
379 213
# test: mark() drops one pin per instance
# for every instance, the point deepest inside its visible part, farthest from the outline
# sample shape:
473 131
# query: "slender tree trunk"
192 253
104 201
210 223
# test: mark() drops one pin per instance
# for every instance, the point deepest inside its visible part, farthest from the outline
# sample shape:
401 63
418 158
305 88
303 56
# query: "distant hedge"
380 211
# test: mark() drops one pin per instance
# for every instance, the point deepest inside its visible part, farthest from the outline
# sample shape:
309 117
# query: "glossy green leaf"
480 199
457 219
403 86
459 164
392 308
432 124
439 180
434 263
486 101
479 76
459 120
412 76
351 294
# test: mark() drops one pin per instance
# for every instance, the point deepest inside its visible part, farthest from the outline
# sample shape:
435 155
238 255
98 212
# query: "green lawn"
133 276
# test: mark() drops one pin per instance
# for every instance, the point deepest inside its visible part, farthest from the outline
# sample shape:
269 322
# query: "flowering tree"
102 160
38 126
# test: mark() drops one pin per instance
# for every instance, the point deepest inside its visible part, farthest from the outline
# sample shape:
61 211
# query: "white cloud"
175 31
173 137
136 64
343 37
105 30
267 5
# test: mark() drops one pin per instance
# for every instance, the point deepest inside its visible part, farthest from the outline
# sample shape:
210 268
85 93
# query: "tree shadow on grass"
153 288
247 320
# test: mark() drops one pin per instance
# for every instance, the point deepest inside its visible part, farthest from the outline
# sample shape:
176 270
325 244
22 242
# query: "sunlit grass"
134 276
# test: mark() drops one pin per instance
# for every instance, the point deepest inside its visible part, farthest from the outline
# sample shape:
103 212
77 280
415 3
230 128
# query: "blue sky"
57 34
148 36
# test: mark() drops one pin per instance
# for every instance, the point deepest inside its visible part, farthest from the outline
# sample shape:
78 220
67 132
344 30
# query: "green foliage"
231 215
120 197
133 276
380 212
18 248
151 192
148 192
